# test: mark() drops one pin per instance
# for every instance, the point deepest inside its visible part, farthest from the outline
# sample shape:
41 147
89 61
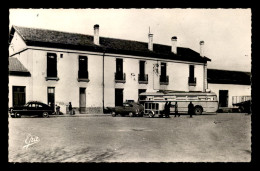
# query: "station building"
231 87
94 72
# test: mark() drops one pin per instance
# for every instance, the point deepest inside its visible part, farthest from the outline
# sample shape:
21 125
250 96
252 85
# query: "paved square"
205 138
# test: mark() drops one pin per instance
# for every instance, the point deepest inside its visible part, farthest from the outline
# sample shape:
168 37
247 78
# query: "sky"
226 32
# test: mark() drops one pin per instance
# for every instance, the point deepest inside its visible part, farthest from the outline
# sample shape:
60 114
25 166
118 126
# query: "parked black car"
128 108
31 108
244 107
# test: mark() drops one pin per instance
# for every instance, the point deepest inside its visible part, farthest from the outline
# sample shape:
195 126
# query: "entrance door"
82 100
51 97
223 98
119 97
18 95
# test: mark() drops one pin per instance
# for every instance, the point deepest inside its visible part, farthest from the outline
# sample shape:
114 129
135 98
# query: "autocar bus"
154 102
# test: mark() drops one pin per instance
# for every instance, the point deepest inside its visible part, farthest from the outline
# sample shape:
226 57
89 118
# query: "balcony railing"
52 78
143 78
164 80
83 76
119 77
192 81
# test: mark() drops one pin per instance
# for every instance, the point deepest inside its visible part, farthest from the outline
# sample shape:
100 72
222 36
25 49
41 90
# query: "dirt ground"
224 137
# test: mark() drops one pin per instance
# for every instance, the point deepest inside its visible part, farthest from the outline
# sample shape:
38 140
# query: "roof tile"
228 77
17 68
75 41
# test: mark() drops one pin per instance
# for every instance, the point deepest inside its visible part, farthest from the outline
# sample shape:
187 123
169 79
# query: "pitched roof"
75 41
228 77
17 68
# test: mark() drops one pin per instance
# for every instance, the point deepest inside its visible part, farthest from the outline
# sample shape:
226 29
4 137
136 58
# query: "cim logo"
30 140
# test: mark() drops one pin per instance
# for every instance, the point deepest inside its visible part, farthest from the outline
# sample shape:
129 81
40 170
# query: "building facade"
94 72
231 87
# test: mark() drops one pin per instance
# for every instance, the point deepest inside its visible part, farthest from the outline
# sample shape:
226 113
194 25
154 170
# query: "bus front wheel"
17 115
113 114
151 114
198 110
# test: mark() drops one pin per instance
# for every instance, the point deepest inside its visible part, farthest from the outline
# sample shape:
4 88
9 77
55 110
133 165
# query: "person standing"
167 109
190 109
70 108
176 110
57 110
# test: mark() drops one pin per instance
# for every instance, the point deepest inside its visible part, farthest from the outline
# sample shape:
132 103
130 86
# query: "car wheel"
131 114
242 109
141 114
151 114
12 116
17 115
45 114
198 111
113 114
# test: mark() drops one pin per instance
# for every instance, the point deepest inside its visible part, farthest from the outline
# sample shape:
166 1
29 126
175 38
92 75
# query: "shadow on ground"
65 155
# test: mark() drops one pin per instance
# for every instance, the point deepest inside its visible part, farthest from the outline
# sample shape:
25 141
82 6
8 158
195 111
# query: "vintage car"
128 108
31 108
244 107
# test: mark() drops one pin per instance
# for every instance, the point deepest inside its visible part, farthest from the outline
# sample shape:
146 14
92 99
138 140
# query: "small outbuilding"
231 87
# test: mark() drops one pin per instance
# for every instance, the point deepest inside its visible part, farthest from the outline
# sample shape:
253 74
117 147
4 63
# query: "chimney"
202 49
174 44
150 43
96 34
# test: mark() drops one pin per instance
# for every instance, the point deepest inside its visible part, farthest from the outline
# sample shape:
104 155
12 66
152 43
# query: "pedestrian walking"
176 110
70 108
190 109
57 109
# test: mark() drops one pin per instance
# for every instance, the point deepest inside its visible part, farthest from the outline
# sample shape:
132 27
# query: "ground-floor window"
223 98
139 92
18 95
119 97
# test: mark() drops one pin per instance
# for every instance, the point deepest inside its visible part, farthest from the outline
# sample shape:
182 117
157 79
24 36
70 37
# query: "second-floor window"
143 78
142 67
119 75
192 79
51 65
164 79
163 70
83 67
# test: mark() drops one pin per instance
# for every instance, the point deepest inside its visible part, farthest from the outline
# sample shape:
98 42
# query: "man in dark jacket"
70 108
190 109
176 110
167 109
